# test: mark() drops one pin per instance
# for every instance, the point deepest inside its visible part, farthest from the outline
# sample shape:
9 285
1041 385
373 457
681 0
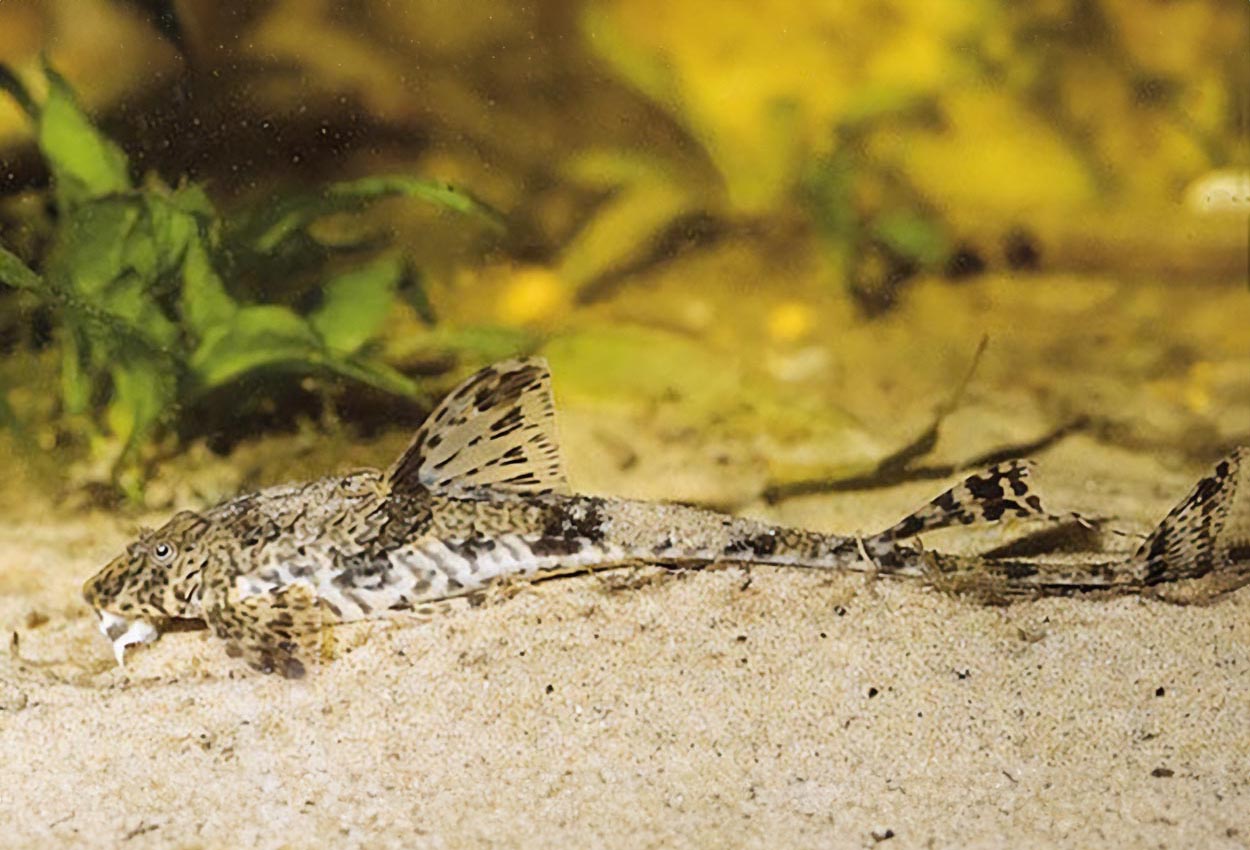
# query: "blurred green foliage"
898 129
619 132
147 324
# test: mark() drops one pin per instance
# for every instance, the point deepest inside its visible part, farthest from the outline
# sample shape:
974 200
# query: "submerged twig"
896 468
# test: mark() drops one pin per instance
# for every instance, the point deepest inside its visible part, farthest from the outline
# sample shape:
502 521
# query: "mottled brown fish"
481 494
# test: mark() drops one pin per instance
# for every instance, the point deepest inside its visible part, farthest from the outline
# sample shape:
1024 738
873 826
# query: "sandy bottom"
761 708
641 708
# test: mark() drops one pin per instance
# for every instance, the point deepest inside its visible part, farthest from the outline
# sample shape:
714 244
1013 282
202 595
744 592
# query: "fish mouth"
122 633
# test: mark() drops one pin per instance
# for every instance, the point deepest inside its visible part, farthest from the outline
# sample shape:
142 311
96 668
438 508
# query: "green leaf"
124 255
178 233
266 231
106 263
435 192
89 252
355 304
142 393
373 373
166 229
255 337
270 337
205 302
84 163
17 274
75 382
192 199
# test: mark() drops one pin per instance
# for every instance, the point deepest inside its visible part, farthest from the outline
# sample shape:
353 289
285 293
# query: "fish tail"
1199 551
1207 534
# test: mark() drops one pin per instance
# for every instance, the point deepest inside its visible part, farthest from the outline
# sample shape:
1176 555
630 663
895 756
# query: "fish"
481 495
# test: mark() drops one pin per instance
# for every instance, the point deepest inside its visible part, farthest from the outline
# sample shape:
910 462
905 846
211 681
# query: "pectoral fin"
280 631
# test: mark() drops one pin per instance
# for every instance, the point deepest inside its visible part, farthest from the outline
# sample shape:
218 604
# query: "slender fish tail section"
986 497
660 532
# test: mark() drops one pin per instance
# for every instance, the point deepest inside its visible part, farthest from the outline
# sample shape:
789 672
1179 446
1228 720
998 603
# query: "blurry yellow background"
759 180
989 114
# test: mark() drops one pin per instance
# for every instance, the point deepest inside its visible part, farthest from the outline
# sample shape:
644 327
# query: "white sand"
692 710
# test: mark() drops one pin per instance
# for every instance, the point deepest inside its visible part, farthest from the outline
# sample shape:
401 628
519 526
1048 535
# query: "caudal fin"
1002 490
1207 533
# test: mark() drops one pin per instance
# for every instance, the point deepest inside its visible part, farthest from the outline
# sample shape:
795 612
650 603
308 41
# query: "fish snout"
122 633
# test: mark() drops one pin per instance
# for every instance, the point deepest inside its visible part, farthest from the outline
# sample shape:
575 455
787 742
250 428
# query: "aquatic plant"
147 323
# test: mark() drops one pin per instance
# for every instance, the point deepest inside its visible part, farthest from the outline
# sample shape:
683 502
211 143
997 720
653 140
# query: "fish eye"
163 552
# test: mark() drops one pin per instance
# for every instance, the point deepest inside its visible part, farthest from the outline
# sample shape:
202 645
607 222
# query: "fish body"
480 495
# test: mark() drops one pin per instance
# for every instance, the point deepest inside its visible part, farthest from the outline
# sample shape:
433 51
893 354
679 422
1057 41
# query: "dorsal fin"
1001 490
496 431
1208 532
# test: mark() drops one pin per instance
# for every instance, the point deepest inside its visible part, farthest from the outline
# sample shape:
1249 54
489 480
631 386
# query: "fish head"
156 580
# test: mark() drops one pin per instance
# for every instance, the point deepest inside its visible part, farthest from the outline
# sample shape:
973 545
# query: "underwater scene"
621 423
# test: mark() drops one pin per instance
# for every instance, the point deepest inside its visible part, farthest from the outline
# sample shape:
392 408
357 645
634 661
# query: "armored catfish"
481 494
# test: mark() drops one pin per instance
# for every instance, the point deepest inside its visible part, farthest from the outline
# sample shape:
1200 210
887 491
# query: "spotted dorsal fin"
1208 532
496 431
